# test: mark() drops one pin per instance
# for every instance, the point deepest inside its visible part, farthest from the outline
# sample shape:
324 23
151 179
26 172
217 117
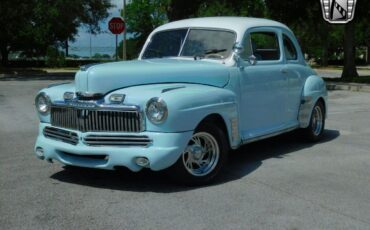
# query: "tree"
15 25
349 68
142 16
255 8
34 25
181 9
352 29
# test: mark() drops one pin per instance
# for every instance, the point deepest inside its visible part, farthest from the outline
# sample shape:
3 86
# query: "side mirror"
252 60
238 50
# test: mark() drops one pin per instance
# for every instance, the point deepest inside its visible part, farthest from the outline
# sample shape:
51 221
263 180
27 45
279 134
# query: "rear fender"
314 89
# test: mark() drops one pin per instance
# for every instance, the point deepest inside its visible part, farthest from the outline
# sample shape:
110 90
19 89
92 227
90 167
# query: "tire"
196 166
315 130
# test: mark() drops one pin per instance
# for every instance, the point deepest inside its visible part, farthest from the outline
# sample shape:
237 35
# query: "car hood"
104 78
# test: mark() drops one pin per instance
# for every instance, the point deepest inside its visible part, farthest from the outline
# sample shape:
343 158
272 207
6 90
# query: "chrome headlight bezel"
44 108
160 105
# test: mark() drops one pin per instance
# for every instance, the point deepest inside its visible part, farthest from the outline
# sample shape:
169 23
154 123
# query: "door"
294 71
263 85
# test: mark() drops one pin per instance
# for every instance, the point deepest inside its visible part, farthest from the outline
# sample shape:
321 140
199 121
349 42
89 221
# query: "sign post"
116 26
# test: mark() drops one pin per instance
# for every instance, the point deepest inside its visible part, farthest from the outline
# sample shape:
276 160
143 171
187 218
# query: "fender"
55 92
314 89
190 105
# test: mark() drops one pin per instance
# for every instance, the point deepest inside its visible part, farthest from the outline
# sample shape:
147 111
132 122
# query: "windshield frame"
146 45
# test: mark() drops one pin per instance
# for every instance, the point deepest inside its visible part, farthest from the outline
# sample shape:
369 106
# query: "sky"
103 43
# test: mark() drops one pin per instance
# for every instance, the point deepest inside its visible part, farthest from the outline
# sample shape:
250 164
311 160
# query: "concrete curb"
357 87
38 76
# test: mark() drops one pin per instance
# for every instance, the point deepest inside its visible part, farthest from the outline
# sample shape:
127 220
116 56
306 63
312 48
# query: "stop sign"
116 25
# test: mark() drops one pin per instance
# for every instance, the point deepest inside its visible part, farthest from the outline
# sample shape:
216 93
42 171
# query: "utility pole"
124 54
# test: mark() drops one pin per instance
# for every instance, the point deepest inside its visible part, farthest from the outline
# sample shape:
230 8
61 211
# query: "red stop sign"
116 25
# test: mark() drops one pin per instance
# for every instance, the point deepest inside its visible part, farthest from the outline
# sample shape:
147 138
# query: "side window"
289 49
265 46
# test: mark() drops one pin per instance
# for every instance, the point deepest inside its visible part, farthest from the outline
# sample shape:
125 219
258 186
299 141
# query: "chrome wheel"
201 155
317 121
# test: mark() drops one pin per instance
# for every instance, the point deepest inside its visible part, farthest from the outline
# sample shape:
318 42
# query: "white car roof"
237 24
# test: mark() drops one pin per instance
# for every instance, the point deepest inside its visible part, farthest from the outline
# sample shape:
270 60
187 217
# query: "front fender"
55 92
188 105
314 89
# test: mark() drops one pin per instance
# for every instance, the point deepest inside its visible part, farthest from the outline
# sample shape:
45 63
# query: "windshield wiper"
207 52
214 51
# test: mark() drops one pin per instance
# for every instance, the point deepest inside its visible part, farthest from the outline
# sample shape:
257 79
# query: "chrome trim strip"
61 135
96 106
254 139
117 140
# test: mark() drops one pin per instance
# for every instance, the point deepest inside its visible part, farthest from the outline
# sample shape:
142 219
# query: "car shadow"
241 163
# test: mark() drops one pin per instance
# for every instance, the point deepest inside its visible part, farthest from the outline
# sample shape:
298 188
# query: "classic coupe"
199 88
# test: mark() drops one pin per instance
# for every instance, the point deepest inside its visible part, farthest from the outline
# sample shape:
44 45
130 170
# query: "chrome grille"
61 135
92 120
122 140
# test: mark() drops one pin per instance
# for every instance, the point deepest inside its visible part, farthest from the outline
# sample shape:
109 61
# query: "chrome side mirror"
252 59
238 50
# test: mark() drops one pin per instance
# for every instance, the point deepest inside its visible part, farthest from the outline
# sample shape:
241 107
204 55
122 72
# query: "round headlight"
156 110
42 103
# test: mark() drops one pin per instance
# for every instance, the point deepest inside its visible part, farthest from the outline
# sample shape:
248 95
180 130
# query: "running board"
254 139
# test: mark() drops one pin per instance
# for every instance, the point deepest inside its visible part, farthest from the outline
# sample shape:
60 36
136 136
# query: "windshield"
202 43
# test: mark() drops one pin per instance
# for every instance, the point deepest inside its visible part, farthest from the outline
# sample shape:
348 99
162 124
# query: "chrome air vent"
61 135
121 140
83 96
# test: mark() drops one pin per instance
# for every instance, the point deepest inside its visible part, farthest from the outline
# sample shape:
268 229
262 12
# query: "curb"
356 87
43 76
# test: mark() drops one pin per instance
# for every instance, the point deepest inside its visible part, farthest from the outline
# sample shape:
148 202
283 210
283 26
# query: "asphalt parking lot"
279 183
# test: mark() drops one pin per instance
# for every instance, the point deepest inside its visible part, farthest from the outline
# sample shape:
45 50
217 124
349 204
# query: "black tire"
180 173
313 133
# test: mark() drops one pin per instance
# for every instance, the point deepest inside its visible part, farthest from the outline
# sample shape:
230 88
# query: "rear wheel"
317 123
203 157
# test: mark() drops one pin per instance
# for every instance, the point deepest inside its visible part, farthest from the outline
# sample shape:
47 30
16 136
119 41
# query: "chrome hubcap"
201 155
317 121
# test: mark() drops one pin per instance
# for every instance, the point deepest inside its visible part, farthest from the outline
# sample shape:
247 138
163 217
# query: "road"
279 183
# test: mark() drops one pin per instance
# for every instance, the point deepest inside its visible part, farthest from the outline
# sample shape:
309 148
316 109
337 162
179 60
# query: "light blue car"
199 88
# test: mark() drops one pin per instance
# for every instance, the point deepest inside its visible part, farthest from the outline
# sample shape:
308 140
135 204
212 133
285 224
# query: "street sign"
116 25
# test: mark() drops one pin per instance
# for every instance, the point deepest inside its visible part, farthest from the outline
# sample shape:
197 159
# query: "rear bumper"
163 152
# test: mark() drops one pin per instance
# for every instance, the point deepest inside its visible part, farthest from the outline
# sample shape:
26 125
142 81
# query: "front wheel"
317 123
203 157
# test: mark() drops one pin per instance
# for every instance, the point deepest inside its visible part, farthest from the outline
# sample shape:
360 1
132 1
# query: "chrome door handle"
284 70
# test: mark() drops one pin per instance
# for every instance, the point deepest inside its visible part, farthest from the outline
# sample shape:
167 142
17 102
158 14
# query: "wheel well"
323 103
217 120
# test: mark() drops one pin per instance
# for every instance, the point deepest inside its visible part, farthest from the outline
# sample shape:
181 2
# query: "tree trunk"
349 68
325 56
325 51
66 47
368 54
4 56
